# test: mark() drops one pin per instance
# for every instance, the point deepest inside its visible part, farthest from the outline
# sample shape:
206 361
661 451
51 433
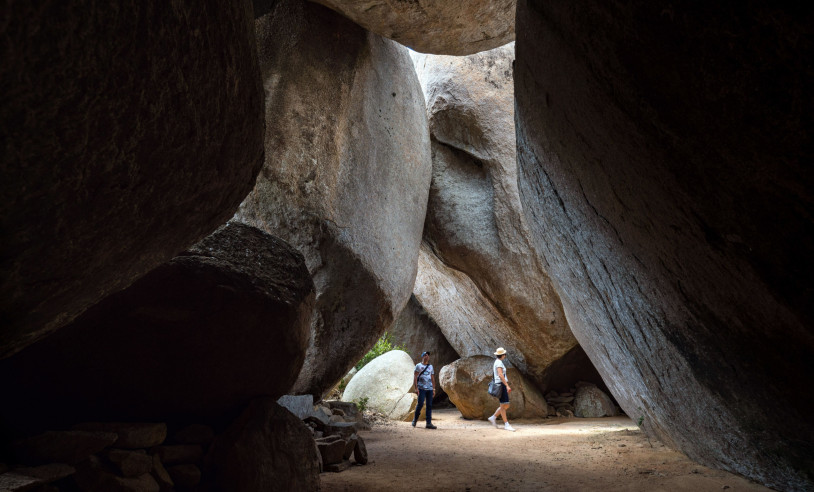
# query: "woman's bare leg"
502 409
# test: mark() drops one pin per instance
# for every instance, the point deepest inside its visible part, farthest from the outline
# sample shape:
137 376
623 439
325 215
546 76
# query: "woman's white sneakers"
506 426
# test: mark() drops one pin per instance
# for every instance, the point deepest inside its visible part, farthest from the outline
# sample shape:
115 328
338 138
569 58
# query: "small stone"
328 439
319 422
331 452
185 476
69 447
338 411
319 459
176 454
360 452
338 467
350 447
47 473
129 463
194 434
348 407
161 476
13 482
336 419
622 445
344 429
92 476
131 435
300 405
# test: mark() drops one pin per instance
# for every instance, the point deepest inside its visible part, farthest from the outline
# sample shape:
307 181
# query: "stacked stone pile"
265 448
335 426
109 456
583 400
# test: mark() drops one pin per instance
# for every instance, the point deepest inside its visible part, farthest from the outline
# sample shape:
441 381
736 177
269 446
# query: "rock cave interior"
210 206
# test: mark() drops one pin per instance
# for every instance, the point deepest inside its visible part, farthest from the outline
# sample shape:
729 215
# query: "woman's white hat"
500 351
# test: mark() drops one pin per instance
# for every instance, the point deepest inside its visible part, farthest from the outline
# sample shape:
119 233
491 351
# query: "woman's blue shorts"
504 394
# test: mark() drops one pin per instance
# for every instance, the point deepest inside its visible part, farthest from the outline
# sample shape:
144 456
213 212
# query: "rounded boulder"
387 383
466 381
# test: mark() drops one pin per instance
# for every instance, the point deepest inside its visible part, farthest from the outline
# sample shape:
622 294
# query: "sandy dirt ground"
608 454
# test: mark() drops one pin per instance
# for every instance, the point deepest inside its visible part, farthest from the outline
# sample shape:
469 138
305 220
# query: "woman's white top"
499 363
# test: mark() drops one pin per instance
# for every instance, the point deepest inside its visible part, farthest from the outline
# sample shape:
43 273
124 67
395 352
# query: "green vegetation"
384 344
361 403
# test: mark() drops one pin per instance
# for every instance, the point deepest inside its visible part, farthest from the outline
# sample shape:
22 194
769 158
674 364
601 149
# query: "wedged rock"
387 383
417 332
665 162
130 435
434 26
475 223
70 447
592 402
266 448
350 446
300 405
129 463
194 434
190 340
331 451
466 381
346 176
117 154
360 452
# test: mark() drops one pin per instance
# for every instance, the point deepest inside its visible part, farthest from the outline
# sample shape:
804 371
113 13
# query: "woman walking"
499 370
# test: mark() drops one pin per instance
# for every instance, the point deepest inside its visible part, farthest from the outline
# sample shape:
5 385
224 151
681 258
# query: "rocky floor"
562 454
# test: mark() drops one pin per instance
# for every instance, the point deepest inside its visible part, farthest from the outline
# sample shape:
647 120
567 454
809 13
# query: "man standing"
424 381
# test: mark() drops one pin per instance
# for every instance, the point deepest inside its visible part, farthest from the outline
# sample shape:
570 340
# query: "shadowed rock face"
346 176
434 26
487 279
130 130
266 448
196 338
665 158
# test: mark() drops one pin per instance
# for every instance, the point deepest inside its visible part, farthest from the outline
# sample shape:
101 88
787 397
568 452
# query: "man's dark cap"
424 353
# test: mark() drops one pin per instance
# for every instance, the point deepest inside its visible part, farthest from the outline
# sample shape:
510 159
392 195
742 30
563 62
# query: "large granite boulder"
194 339
387 383
475 223
416 331
434 26
592 402
666 174
130 130
346 176
466 381
266 448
